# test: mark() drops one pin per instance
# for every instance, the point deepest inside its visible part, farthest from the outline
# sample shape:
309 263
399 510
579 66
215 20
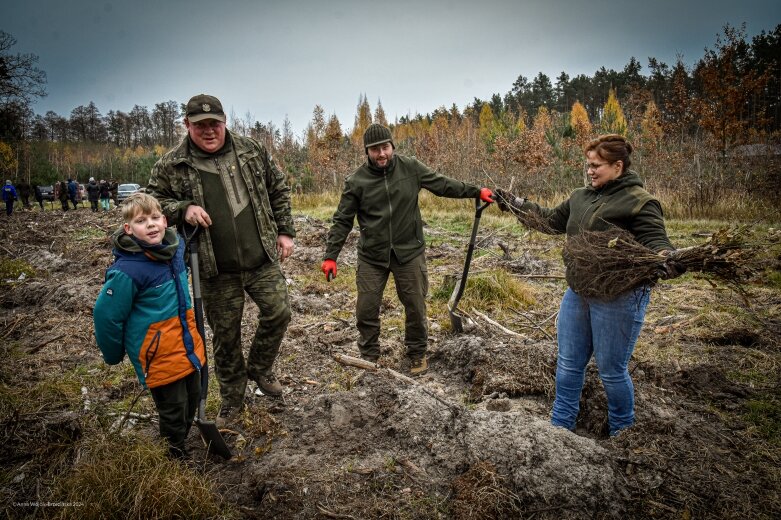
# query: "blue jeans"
609 331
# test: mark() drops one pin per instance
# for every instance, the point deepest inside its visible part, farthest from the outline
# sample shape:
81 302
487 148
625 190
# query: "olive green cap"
202 107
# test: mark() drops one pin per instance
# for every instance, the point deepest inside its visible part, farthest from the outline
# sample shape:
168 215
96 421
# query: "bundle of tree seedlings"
605 264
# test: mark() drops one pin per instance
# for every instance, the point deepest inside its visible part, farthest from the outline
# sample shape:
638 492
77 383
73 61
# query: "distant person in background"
73 190
383 195
105 195
23 189
93 194
230 185
606 330
62 194
113 187
9 196
38 195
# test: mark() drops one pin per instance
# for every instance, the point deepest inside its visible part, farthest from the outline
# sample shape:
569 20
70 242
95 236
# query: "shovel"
209 433
456 320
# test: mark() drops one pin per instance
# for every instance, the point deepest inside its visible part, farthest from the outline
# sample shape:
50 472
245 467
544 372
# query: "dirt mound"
378 425
516 367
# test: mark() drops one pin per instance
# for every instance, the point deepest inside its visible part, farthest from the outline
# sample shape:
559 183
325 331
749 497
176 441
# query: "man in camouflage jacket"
229 185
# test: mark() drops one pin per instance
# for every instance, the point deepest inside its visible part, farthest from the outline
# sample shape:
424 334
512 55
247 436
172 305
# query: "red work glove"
329 269
486 195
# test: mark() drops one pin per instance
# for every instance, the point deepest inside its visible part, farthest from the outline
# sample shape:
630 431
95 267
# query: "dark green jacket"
622 202
386 203
177 185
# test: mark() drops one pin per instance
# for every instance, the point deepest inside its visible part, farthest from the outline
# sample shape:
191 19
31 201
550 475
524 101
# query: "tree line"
709 129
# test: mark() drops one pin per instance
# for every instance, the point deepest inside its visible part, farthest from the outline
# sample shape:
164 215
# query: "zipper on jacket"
232 177
153 346
590 205
390 214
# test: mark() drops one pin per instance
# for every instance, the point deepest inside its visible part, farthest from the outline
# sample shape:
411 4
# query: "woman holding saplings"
608 329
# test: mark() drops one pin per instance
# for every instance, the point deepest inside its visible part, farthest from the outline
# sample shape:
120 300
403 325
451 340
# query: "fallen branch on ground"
498 325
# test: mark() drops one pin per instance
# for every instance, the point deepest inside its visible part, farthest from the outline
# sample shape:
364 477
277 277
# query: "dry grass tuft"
133 478
492 289
482 493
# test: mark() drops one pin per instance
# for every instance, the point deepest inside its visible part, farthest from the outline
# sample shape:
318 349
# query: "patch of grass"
773 279
342 380
345 278
318 205
89 234
752 377
491 289
55 392
765 417
132 477
12 268
467 401
482 492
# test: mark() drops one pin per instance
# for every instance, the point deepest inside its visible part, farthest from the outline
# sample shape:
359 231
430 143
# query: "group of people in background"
67 192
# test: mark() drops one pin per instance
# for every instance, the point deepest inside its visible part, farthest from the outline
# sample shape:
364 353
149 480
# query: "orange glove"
486 195
329 269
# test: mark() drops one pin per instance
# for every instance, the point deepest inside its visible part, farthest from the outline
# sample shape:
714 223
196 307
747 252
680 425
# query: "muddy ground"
470 439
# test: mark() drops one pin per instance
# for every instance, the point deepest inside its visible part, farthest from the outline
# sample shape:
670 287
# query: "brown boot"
269 385
369 357
228 415
418 366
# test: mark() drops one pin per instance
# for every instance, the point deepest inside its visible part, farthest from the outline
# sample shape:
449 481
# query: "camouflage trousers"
223 298
411 286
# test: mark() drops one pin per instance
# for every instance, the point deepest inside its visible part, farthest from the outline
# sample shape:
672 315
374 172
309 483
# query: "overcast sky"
275 58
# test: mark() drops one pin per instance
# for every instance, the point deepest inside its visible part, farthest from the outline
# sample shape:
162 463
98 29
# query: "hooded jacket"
385 201
144 309
622 202
9 193
93 191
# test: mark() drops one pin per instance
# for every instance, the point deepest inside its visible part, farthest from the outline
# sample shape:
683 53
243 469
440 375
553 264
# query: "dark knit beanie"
376 134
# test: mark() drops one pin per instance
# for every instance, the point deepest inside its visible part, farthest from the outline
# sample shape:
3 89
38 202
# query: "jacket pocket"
149 352
163 356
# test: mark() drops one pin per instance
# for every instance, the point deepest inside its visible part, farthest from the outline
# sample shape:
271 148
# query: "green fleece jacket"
386 204
622 202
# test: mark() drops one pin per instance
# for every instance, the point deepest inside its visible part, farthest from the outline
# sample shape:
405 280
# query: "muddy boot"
228 415
370 358
418 366
178 453
269 385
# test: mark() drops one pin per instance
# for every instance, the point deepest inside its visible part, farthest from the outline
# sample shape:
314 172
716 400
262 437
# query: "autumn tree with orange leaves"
729 87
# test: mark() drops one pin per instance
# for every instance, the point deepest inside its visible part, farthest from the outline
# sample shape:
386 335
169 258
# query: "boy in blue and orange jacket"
144 309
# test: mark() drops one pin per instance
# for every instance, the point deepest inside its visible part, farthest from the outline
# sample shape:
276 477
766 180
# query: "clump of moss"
12 269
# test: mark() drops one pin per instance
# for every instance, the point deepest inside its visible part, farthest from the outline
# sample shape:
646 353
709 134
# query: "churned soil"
470 439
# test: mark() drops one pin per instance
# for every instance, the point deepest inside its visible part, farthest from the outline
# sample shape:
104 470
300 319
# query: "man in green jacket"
229 185
383 194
